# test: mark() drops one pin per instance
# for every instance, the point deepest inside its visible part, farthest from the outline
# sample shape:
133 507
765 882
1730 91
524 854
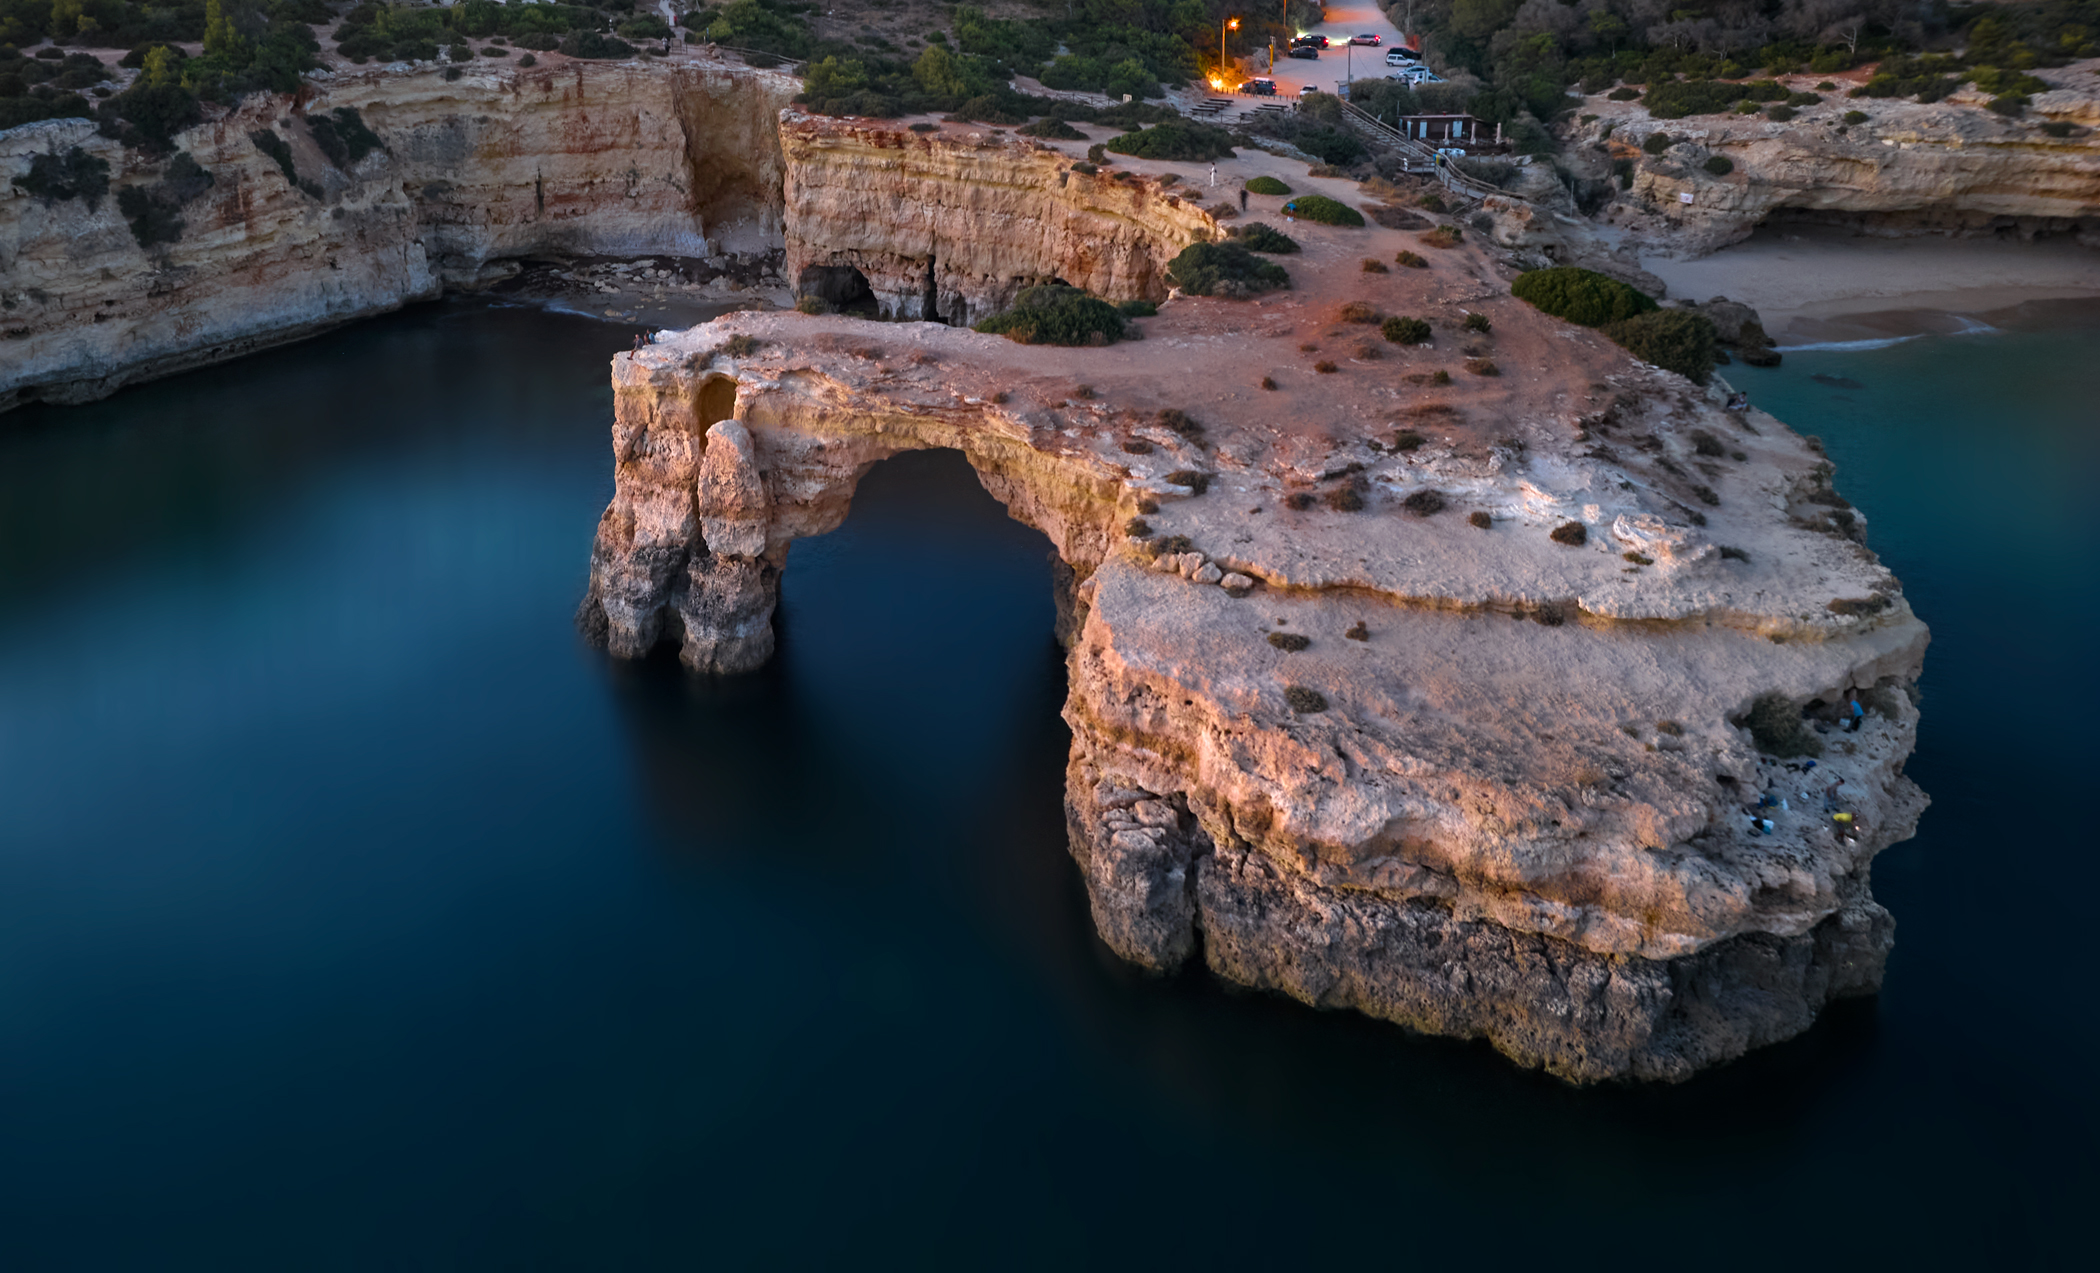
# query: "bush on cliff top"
1257 237
1186 142
1676 340
1224 269
1326 211
1581 296
1267 185
1775 726
1055 315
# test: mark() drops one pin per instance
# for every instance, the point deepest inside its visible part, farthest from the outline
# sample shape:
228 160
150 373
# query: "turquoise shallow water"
353 915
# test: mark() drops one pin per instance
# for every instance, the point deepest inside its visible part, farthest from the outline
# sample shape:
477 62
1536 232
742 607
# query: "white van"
1401 57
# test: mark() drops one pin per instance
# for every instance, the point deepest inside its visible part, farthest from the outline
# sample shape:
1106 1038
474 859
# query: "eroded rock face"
1475 782
945 228
624 159
1949 167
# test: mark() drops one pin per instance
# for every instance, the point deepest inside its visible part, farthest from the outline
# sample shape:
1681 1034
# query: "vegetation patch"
1674 98
1257 237
1326 211
1719 165
1405 331
1581 296
1194 479
153 212
1266 185
1049 126
1307 702
1676 340
1478 322
1372 265
1224 269
1050 314
1776 727
341 135
1289 642
1424 503
56 178
1185 141
1481 520
1444 236
1411 260
1573 534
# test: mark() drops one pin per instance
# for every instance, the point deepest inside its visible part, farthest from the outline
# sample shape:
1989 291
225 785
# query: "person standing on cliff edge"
1243 198
1214 176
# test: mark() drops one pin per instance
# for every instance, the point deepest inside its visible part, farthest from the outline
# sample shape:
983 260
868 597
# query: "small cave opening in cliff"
716 402
843 287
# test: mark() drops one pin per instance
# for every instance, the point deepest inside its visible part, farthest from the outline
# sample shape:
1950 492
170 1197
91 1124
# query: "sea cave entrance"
843 287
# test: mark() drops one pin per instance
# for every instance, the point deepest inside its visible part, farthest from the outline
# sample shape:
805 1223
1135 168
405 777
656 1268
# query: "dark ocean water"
354 916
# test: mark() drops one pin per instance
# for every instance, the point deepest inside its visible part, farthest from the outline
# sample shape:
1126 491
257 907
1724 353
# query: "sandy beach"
1814 285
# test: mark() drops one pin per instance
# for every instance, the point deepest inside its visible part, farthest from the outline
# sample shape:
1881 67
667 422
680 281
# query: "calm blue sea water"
354 916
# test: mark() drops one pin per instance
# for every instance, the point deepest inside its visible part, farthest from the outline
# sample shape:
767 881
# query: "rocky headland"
1433 700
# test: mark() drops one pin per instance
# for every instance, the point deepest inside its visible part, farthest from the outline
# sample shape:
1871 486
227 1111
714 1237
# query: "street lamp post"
1231 24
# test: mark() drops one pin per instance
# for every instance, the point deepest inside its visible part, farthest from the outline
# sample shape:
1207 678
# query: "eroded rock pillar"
733 586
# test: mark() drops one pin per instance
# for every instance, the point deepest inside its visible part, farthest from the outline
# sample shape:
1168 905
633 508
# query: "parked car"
1259 88
1417 75
1317 41
1304 51
1369 37
1308 90
1401 57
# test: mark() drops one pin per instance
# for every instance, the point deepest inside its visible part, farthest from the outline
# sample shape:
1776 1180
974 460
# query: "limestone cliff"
1358 749
948 227
1910 168
582 158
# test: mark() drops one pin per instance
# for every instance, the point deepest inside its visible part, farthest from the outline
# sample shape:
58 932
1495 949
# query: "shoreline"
1823 286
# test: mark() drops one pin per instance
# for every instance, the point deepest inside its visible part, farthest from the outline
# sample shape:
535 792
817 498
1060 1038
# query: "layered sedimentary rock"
1946 167
1329 735
502 162
951 228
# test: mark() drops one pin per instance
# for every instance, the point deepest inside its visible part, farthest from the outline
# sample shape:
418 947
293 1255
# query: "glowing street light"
1231 24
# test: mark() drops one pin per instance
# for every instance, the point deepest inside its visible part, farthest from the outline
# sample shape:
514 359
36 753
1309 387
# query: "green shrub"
1186 142
342 136
1719 165
1224 269
1257 237
1326 211
739 346
1656 143
812 305
528 60
1779 114
1676 340
1304 701
1405 331
2058 128
55 178
1573 534
1266 185
1424 503
1412 260
1372 265
272 145
1855 117
150 115
1581 296
1053 128
1444 236
2011 104
596 44
1623 94
1054 315
1195 479
1803 99
1137 309
1483 520
1477 322
1776 727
